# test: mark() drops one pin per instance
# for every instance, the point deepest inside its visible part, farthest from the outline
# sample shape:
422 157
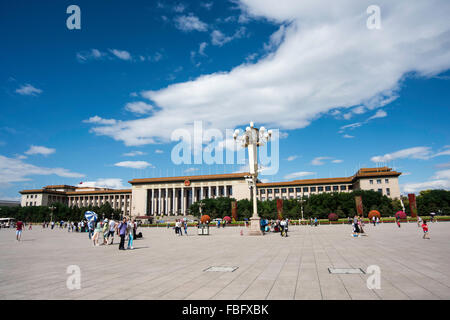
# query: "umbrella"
227 218
90 216
433 213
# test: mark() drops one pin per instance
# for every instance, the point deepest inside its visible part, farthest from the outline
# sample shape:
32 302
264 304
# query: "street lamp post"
51 214
252 139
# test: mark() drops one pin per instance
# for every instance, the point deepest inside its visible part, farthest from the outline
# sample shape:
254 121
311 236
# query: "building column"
166 211
183 202
152 207
225 191
159 201
201 193
209 192
193 194
174 198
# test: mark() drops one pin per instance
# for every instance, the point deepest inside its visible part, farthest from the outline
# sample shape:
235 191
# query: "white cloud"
378 114
318 161
28 90
300 174
93 54
111 183
134 153
440 180
40 150
291 158
327 59
138 107
134 164
219 39
423 153
190 23
121 54
179 8
201 49
159 151
189 170
347 136
443 165
99 120
15 170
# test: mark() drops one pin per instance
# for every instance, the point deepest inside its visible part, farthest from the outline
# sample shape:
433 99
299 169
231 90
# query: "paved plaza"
166 266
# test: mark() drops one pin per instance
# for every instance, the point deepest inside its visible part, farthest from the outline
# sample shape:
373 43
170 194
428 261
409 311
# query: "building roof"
41 191
61 186
306 182
74 193
191 178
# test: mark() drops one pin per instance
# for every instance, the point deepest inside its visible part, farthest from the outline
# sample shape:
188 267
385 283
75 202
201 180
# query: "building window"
386 180
350 187
388 191
269 190
298 189
230 191
263 191
284 197
305 189
263 199
328 188
343 187
371 181
270 198
291 190
283 190
380 191
277 191
335 188
378 181
319 189
299 196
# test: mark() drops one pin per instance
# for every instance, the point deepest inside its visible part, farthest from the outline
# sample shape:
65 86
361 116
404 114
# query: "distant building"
77 196
8 203
174 195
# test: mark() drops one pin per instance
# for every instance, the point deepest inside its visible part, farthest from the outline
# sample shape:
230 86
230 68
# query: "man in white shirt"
112 230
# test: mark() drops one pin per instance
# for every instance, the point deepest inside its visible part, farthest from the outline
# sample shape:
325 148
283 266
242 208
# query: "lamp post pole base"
255 227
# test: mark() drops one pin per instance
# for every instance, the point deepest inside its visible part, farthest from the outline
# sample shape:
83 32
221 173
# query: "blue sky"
99 104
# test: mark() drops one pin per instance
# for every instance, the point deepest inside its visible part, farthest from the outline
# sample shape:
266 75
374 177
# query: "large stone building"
382 180
174 195
77 196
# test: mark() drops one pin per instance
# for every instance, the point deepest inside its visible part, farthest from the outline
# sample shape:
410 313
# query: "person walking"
425 230
130 230
30 227
355 227
19 228
91 228
112 230
97 231
374 221
185 227
53 224
419 221
378 221
122 230
105 231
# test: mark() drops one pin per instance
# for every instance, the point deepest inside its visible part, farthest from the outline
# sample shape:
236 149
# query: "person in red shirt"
19 228
425 230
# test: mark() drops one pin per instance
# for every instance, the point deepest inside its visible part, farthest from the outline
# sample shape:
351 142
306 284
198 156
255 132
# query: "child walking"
425 230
